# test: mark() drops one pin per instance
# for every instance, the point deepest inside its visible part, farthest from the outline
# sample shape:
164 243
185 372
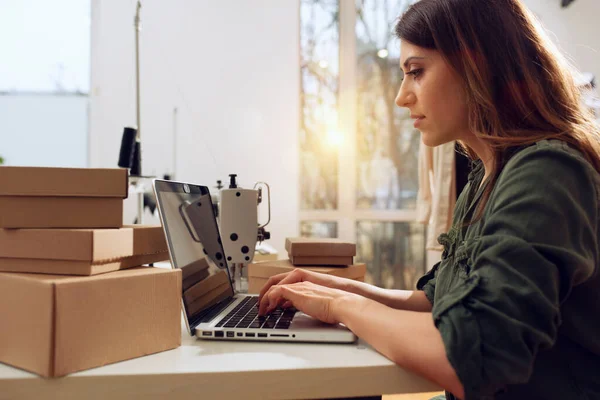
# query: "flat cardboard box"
259 273
148 239
322 260
41 197
301 246
60 267
80 251
54 325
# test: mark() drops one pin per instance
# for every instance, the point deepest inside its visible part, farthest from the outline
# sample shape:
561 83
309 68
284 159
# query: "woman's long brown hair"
520 89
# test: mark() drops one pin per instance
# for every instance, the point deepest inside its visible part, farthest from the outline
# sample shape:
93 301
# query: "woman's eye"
415 72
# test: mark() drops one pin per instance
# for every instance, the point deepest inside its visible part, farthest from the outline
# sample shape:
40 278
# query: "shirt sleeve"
426 283
538 241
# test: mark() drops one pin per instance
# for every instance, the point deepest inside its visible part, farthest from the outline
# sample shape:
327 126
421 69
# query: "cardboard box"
319 247
259 273
148 239
39 197
322 260
81 251
54 325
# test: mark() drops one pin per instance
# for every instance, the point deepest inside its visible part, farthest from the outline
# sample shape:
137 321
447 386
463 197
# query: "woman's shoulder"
548 169
550 159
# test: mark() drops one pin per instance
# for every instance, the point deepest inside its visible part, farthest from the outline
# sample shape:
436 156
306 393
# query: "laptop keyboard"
245 315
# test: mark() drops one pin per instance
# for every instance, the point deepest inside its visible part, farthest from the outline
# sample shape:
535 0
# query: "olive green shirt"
516 296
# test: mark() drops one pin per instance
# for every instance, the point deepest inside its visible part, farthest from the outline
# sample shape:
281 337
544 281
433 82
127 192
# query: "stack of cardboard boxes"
73 292
327 256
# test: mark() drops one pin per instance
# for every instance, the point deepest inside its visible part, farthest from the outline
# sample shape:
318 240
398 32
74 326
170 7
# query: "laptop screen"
190 225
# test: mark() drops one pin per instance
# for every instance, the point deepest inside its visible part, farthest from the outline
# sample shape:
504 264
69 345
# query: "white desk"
228 370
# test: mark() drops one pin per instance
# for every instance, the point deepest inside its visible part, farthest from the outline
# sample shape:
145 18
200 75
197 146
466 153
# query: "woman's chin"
428 139
432 140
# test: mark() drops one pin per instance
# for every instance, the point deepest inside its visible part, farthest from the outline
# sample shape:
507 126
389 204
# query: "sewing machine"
237 212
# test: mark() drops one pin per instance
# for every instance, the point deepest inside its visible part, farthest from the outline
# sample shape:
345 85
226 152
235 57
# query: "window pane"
46 130
387 143
394 253
44 82
318 229
45 46
319 71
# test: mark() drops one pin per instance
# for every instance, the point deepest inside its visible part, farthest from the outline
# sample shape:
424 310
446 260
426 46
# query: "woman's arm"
408 338
400 299
410 300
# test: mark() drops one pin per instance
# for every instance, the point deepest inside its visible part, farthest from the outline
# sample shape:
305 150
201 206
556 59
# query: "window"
393 251
45 46
44 82
319 77
318 229
387 144
358 149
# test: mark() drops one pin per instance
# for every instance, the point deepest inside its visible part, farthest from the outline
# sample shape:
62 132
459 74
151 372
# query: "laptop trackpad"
303 321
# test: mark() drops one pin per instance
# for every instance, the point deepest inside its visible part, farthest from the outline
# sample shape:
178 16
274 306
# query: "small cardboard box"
81 251
322 260
54 325
328 247
259 273
39 197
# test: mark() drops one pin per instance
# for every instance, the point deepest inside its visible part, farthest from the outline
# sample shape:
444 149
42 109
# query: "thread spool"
136 166
128 144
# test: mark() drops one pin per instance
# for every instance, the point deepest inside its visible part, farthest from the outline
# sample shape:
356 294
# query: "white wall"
231 68
44 130
575 29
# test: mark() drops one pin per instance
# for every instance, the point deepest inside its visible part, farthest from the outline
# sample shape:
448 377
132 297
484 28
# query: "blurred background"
296 93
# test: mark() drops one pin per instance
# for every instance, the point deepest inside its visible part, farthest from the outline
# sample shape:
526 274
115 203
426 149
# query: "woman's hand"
303 275
320 302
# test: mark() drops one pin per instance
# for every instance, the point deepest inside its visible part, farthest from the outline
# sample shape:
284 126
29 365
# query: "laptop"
211 307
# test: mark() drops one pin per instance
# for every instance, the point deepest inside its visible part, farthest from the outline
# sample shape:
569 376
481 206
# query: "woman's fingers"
274 280
307 297
269 300
281 279
279 295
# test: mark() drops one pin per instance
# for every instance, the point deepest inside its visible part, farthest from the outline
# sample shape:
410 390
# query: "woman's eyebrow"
409 59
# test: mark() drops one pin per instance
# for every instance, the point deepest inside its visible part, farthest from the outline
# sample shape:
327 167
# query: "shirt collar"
476 167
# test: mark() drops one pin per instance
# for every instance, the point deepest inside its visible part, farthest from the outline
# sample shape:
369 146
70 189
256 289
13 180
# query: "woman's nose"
404 97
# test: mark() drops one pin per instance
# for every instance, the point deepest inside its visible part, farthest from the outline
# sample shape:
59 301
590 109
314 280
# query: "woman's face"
433 94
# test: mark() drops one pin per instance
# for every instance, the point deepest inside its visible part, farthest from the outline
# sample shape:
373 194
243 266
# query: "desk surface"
228 370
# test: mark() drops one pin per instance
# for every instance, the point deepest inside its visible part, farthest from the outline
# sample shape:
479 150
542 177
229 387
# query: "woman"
513 309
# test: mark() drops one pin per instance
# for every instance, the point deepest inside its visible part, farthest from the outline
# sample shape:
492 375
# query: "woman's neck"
483 152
